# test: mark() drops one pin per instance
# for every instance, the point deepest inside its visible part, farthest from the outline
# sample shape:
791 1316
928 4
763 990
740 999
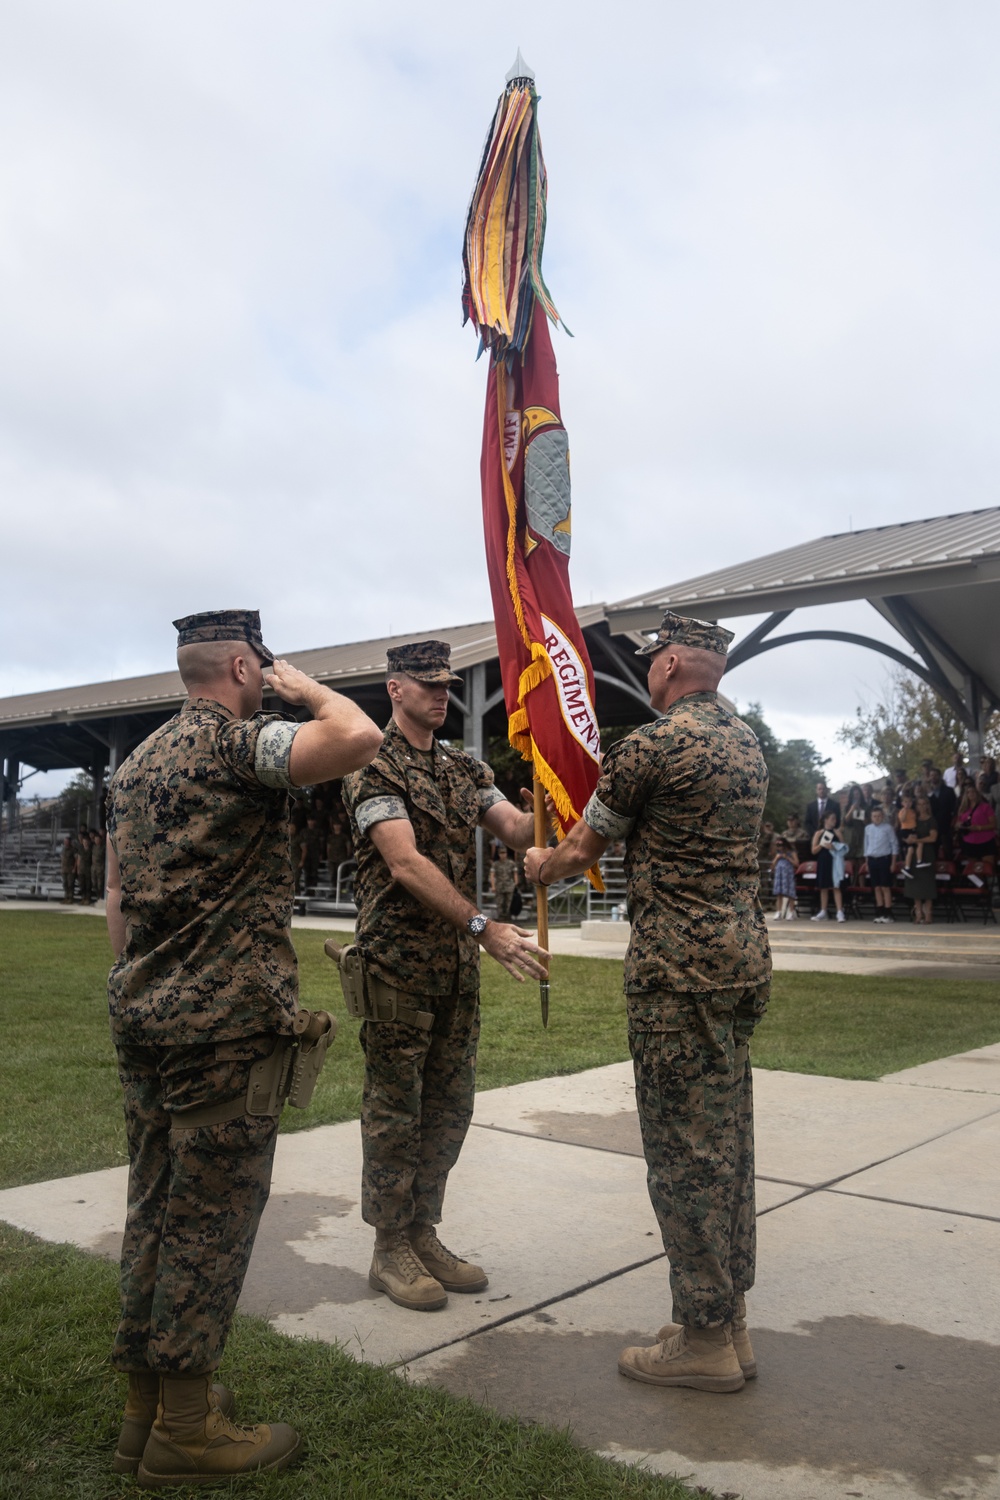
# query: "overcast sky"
233 369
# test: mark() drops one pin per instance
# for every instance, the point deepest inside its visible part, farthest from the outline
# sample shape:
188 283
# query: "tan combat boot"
398 1271
193 1443
140 1414
741 1338
454 1275
700 1357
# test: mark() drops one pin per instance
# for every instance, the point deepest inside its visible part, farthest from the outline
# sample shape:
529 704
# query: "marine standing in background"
83 866
68 856
98 850
687 793
503 882
204 986
414 814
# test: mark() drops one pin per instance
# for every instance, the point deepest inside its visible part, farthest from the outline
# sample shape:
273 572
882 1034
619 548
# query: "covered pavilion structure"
936 582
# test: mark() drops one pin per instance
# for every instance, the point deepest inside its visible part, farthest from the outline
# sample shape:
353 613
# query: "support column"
12 776
975 722
116 746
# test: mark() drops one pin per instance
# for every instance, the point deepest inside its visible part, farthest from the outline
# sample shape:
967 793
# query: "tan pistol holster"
286 1076
368 997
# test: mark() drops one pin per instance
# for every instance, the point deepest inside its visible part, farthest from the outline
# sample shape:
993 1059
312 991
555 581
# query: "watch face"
476 925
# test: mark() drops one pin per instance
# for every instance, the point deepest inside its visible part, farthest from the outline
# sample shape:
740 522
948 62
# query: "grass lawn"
368 1434
60 1107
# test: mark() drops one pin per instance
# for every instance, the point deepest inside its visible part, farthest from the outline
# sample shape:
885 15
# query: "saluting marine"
203 988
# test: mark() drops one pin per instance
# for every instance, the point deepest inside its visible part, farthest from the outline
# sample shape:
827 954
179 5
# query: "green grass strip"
60 1104
368 1434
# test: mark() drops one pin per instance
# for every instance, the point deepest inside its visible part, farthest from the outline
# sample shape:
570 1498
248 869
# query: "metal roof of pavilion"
936 581
911 557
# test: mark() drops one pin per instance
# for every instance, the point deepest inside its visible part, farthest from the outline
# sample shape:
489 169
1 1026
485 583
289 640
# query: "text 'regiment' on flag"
548 680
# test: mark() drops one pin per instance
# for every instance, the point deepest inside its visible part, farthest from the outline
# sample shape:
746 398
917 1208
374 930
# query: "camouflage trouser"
694 1092
195 1198
415 1111
504 899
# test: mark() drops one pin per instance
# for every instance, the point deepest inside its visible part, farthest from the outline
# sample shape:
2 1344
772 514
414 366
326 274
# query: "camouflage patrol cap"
427 661
223 625
678 630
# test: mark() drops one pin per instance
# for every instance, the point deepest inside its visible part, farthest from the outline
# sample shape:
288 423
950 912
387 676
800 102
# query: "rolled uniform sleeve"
258 750
623 788
379 809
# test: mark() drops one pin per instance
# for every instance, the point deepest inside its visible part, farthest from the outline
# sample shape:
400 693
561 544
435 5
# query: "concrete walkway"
876 1317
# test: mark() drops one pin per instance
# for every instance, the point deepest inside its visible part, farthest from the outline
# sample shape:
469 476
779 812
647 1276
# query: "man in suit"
817 811
944 806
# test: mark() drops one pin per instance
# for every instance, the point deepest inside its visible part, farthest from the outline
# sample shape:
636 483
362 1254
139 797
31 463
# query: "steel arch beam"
916 667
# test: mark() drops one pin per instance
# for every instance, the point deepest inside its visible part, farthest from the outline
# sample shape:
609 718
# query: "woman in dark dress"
921 888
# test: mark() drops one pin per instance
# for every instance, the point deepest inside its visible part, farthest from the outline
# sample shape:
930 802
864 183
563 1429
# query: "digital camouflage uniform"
83 869
504 880
419 1084
97 857
686 793
67 866
198 818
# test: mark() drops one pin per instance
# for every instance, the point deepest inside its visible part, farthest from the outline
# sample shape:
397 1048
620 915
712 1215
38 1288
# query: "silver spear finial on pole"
520 70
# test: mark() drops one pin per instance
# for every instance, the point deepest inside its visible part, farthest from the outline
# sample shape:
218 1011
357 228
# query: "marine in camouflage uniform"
686 793
68 856
420 1071
83 867
503 879
204 986
98 849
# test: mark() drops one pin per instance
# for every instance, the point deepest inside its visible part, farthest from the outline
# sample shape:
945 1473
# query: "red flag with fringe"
548 680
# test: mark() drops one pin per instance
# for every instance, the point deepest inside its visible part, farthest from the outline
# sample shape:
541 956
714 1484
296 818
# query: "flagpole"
542 893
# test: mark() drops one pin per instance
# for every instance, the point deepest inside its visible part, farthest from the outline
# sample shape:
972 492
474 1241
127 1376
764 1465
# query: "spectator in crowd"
887 802
824 841
988 768
944 806
816 811
854 824
954 771
976 825
899 784
921 887
881 848
906 817
785 862
796 835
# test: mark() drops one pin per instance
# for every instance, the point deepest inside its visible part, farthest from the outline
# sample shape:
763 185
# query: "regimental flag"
547 676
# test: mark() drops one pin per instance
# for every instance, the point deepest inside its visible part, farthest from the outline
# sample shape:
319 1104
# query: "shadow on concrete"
850 1395
619 1133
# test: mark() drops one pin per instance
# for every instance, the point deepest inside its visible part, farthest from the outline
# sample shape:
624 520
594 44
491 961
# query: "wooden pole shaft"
541 839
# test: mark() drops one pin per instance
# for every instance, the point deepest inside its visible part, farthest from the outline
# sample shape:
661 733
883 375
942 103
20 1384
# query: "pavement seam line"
513 1317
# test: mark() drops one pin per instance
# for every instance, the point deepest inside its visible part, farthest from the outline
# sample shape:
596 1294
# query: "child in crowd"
783 868
906 822
881 848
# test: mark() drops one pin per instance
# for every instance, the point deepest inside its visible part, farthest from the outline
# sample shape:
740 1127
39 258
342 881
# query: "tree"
793 768
910 723
75 799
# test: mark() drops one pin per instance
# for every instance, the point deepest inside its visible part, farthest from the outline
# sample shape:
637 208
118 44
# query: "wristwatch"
477 925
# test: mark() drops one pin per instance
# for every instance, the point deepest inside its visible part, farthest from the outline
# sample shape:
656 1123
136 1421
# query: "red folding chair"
806 877
946 876
974 889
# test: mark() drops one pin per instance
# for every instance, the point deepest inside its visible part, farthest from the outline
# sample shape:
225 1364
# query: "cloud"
234 369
